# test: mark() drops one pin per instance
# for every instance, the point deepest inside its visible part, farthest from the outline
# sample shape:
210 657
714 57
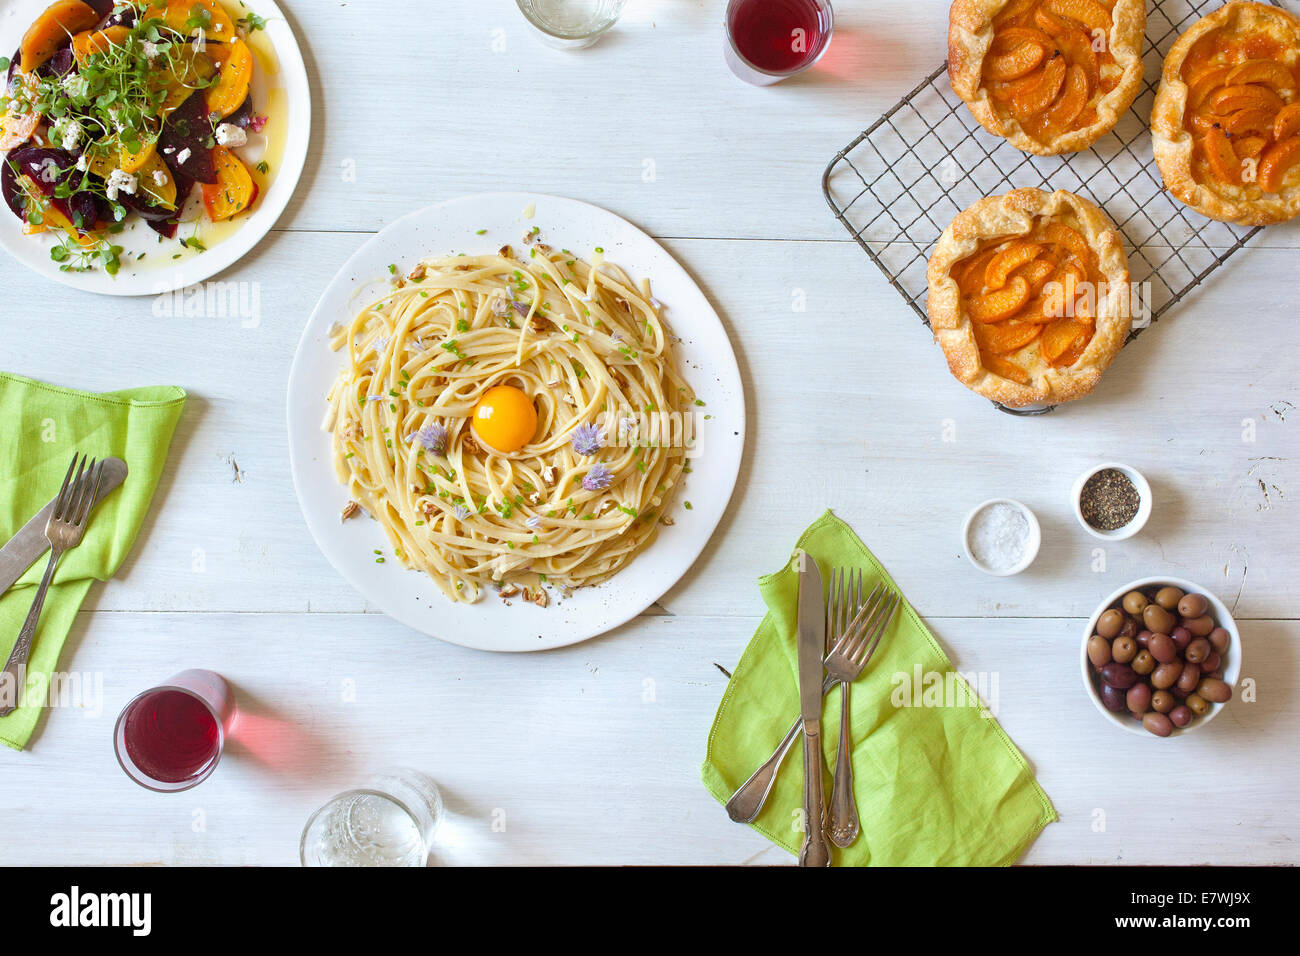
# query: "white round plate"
159 273
707 362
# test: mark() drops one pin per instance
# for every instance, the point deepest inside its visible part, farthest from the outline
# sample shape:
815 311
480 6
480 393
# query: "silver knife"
810 636
26 547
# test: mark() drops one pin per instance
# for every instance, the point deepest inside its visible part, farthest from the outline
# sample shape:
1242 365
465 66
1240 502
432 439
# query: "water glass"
389 821
571 24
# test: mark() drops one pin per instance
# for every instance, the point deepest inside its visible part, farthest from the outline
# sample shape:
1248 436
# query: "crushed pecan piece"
540 599
506 252
469 445
667 520
418 273
350 510
509 591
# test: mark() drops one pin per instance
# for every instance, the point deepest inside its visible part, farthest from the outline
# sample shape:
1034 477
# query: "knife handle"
815 852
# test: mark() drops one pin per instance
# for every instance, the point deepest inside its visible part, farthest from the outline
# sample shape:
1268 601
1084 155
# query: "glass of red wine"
769 40
169 738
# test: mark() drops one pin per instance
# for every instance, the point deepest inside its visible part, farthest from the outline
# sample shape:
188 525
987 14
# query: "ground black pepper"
1109 500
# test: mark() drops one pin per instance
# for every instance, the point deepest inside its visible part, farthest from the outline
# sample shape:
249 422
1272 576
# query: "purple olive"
1158 724
1138 699
1112 698
1119 675
1181 716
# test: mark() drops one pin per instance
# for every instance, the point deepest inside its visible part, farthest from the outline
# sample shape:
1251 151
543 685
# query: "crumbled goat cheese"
120 182
183 155
228 134
71 133
160 177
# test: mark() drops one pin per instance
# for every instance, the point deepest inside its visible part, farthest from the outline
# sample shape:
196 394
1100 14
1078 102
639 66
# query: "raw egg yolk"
505 418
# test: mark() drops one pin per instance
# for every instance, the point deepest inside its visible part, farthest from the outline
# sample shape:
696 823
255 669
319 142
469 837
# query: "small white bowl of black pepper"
1112 501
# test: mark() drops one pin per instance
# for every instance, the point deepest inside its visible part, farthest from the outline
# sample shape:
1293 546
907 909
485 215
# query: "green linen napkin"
935 785
40 428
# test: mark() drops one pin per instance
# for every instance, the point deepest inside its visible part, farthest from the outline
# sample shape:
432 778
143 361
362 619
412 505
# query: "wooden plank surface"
850 407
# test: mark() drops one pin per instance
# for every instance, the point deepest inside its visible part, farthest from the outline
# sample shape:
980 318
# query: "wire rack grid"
902 180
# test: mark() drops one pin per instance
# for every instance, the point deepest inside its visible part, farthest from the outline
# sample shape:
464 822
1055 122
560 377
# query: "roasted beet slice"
144 208
164 227
188 129
61 64
46 168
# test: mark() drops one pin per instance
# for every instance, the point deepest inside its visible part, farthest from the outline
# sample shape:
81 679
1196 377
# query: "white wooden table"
848 405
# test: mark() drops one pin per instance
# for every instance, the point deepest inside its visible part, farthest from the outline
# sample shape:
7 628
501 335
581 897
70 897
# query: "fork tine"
866 623
67 492
830 610
847 634
79 499
880 630
92 490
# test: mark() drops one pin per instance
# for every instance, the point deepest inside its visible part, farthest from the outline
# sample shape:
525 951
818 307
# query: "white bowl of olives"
1161 656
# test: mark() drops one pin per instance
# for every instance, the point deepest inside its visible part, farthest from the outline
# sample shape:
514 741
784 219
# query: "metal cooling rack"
898 185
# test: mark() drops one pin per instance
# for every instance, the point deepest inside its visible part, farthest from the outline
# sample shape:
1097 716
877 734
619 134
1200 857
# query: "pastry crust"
1174 145
970 36
1018 213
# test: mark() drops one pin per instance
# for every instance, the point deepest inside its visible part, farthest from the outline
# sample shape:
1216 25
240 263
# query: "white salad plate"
482 224
160 271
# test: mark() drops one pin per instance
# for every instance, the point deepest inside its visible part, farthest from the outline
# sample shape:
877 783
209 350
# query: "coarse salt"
999 536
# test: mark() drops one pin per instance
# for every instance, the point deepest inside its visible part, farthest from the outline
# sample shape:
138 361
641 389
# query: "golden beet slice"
1277 162
1004 337
1090 13
1287 122
999 305
1074 97
1250 96
1004 367
1040 97
1269 72
1011 66
1223 162
1008 260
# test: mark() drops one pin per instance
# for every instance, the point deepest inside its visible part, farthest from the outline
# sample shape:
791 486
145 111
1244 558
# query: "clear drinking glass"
769 40
571 24
169 738
390 821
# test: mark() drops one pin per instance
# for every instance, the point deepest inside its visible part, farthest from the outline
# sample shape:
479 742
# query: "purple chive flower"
586 439
462 512
432 438
598 479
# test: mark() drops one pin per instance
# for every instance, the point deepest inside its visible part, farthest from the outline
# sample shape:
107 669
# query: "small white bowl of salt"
1001 537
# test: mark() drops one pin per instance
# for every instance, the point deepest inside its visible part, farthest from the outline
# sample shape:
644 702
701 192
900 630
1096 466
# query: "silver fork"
64 530
844 664
867 625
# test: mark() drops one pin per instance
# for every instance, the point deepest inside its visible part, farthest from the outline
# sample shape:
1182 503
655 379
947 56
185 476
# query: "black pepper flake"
1109 500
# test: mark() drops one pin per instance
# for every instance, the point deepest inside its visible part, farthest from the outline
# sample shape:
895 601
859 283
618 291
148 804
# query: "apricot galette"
1226 121
1051 76
1029 296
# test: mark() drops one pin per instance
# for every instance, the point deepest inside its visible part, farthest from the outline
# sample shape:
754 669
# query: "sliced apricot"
1004 337
1008 260
1071 354
1223 162
1250 96
1004 367
1248 147
1068 106
999 305
1015 90
1269 72
1204 82
1248 121
1036 273
1280 159
969 273
1061 335
1287 122
1011 66
1088 12
1069 238
1074 43
1040 96
51 30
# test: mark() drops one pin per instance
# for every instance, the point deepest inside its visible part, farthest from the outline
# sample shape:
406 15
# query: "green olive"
1168 597
1123 649
1134 602
1162 701
1166 675
1193 605
1144 663
1197 704
1157 619
1109 624
1211 688
1098 651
